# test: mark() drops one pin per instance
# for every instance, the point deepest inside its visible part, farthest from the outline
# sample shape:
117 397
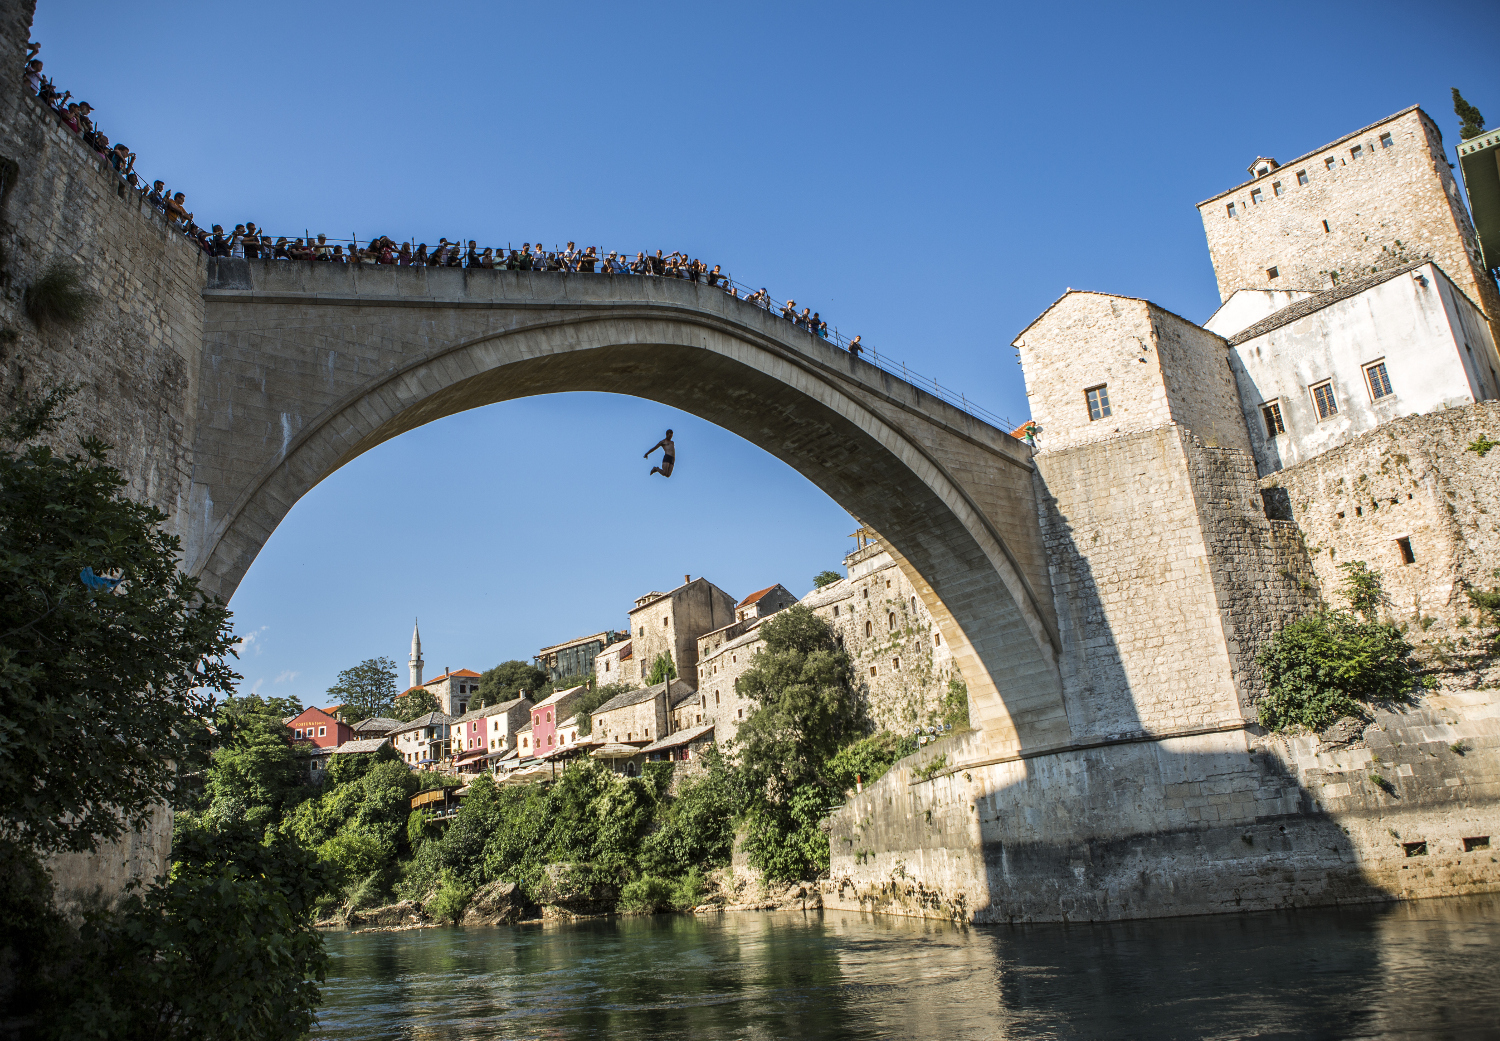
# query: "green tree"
368 689
806 711
414 704
1361 588
1473 120
129 676
663 668
223 948
506 681
1323 665
255 775
826 578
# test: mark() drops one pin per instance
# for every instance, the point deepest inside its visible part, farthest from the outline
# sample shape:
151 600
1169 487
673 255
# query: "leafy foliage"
866 760
1323 665
1481 445
365 690
506 681
58 297
414 704
1361 588
663 668
1473 120
224 948
806 711
130 676
826 578
255 775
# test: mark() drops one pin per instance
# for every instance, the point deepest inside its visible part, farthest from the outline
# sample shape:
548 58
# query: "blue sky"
929 176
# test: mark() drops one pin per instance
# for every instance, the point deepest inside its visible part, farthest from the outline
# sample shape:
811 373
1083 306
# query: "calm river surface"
1425 970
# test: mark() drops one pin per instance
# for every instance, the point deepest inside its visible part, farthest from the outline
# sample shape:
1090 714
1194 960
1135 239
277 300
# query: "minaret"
416 656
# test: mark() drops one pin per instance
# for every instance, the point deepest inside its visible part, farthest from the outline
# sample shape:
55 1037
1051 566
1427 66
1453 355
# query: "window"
1404 545
1357 152
1326 228
322 731
1230 209
868 629
896 664
937 639
1415 849
888 583
1256 197
1330 163
643 630
299 734
890 620
914 605
663 623
716 697
740 714
1276 188
866 592
1271 412
1385 140
1272 272
872 670
1302 178
1098 402
1477 842
1379 380
835 610
606 666
1324 400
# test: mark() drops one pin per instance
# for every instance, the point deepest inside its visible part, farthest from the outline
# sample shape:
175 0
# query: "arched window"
890 620
913 605
869 629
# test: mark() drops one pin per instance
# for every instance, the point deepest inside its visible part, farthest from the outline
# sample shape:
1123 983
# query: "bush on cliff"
1327 664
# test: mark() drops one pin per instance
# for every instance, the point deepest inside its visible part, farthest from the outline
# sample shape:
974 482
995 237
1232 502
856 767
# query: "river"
1421 970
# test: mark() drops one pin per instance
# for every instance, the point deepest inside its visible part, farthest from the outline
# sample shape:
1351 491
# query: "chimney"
686 579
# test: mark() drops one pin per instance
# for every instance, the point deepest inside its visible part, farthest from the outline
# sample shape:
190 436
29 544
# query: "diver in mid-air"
668 456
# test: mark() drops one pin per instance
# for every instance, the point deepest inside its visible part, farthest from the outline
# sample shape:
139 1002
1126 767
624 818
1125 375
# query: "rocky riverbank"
503 903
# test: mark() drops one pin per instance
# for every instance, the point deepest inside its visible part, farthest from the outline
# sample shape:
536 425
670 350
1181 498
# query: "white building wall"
1248 306
1408 321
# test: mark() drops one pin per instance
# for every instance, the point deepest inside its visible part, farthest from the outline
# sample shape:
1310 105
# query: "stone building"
617 664
1374 199
425 742
671 623
1333 365
638 716
576 657
452 690
764 602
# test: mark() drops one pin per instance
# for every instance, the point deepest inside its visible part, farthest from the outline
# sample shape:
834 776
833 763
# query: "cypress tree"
1473 120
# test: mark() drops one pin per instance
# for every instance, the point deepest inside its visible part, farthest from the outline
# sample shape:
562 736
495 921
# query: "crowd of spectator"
252 243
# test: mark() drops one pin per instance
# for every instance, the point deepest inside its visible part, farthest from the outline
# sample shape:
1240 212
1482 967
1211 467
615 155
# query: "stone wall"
1413 478
134 358
673 624
1205 823
1393 204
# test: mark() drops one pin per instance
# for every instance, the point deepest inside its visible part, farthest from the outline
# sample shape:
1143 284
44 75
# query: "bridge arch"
307 366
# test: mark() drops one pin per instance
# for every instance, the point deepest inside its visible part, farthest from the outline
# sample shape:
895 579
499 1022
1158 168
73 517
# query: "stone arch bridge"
306 366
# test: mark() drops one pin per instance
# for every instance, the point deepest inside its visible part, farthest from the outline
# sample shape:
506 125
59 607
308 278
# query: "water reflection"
1419 970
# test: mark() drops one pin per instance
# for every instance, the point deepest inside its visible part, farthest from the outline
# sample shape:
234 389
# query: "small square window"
1357 152
1407 556
1098 402
1415 849
896 664
872 670
1324 400
1379 379
1277 189
1330 163
1271 411
1385 141
1272 272
1256 197
1302 177
1476 842
1230 208
322 731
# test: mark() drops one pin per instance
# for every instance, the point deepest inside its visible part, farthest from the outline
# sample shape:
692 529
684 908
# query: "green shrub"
866 760
58 298
647 895
688 892
1323 665
451 901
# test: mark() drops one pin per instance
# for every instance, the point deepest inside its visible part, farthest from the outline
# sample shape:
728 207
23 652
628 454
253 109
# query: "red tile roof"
753 597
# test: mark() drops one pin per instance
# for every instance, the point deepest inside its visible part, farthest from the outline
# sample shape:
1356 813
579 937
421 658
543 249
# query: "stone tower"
1372 200
415 664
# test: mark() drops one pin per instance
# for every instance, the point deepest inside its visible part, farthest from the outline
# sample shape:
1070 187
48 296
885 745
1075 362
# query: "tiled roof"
557 696
364 744
682 737
754 597
751 635
377 724
432 719
615 750
635 697
680 696
1308 305
489 710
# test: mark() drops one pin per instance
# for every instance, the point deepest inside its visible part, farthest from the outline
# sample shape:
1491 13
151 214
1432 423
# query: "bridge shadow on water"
1423 970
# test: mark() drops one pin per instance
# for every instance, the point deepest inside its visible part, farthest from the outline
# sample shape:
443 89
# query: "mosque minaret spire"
415 663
